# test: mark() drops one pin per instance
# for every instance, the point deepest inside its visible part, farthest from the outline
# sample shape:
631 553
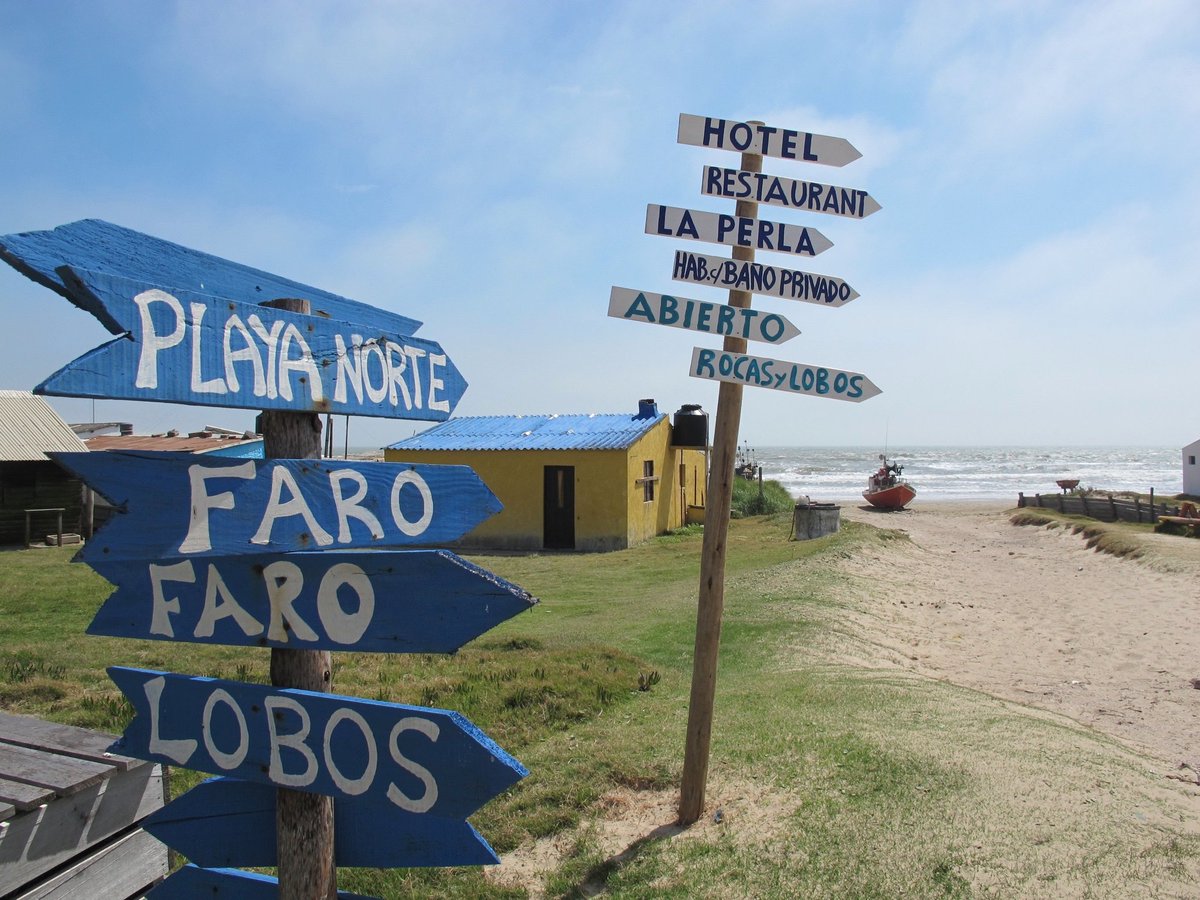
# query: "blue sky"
485 168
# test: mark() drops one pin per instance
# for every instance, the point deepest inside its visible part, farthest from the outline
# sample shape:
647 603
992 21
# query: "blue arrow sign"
185 346
103 247
180 504
376 601
420 760
191 882
228 822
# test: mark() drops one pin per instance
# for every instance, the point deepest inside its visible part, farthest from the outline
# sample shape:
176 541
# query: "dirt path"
1031 614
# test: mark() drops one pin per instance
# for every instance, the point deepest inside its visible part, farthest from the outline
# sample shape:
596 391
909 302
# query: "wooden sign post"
290 552
712 554
303 821
737 323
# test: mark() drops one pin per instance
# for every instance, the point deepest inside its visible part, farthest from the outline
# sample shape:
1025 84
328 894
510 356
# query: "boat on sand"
886 489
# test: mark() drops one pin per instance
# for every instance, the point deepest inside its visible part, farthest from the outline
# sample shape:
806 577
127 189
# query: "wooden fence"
1106 509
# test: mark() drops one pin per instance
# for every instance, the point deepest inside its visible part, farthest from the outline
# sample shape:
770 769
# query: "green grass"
834 781
754 498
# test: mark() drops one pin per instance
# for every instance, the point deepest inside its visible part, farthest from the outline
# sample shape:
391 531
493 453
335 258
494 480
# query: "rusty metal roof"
596 431
206 443
29 428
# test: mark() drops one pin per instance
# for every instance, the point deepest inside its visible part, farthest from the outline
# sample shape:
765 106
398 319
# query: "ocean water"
971 473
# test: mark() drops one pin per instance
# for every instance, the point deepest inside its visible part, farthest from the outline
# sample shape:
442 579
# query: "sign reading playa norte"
746 275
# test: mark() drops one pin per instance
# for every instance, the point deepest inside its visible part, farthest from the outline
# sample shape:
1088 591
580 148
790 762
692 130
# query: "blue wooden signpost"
183 505
291 553
228 822
185 346
405 601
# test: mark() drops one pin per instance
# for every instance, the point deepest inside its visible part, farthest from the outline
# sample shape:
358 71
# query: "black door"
558 508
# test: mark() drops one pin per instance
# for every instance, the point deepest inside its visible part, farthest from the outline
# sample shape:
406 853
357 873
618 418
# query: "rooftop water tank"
690 427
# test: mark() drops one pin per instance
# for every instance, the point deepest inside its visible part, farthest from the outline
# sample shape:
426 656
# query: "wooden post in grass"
303 821
712 560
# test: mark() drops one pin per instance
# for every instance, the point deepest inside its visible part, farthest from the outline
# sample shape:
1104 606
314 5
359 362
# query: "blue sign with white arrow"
377 601
229 822
191 882
185 346
418 759
184 505
101 246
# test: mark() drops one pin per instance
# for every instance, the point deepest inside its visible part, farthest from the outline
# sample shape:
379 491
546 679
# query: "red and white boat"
886 489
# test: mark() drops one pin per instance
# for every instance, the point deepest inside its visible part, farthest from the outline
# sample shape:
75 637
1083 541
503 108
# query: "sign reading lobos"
764 140
734 231
698 315
781 375
183 346
403 601
421 760
180 505
738 275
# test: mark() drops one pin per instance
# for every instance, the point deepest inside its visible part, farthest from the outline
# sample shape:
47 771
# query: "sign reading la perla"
781 375
182 505
182 346
790 193
734 231
372 601
765 140
742 275
699 315
421 760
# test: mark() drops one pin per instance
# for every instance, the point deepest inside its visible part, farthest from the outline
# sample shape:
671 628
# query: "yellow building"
575 482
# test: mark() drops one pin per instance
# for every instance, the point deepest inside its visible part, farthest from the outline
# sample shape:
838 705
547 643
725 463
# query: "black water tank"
690 427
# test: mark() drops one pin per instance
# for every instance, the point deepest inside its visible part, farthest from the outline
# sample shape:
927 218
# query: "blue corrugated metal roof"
554 432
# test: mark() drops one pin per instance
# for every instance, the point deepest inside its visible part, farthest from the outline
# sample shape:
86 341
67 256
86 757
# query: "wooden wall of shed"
37 485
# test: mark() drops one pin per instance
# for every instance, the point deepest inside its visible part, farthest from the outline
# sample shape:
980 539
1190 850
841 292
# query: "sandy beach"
1032 615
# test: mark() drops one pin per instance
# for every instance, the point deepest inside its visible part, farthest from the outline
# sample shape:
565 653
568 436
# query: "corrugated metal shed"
597 431
29 428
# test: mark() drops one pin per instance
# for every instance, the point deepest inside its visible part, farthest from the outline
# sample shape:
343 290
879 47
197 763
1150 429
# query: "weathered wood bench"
69 814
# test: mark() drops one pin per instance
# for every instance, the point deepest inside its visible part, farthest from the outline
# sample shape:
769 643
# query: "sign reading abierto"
781 143
698 315
781 375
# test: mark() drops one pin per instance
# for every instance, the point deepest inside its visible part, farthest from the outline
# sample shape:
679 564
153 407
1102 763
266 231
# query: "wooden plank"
62 774
103 247
67 740
780 375
773 281
41 841
23 796
123 867
734 231
758 139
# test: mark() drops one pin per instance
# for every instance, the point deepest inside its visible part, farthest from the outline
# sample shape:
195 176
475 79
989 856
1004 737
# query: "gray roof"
29 428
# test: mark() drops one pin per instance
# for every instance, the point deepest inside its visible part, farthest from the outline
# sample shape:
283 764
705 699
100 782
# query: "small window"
1191 460
648 481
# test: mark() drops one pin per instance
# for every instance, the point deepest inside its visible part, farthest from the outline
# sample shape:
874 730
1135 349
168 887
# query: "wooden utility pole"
712 560
303 821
